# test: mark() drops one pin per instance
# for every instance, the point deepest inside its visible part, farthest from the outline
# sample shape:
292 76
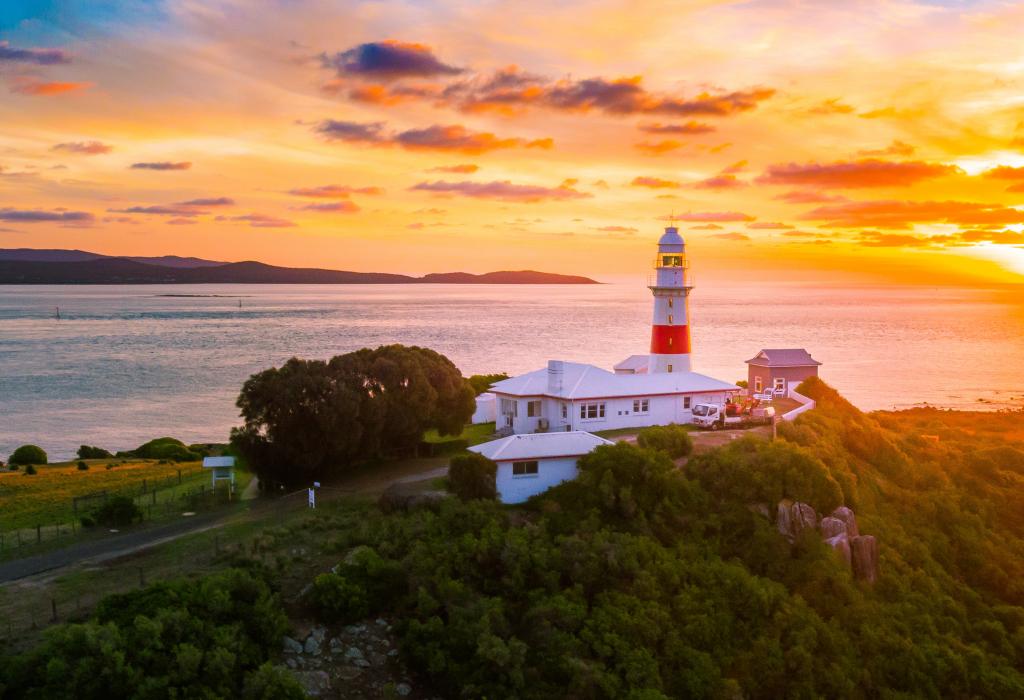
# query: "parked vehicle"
713 416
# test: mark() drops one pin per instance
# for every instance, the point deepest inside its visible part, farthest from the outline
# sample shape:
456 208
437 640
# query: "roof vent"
556 370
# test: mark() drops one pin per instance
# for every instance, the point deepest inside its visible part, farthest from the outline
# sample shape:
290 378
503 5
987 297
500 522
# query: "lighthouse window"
670 319
671 261
591 411
670 368
533 409
670 302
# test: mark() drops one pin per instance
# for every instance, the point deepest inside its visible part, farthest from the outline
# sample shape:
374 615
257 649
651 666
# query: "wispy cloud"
89 148
162 165
502 190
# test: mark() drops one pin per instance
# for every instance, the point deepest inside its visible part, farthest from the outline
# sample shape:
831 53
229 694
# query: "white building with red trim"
655 389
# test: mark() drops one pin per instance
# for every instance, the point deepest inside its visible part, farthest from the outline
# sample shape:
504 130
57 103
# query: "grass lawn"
473 434
47 496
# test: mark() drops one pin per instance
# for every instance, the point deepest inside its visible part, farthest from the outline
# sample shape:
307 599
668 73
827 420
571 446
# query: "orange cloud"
464 168
832 106
653 182
721 216
34 87
896 148
895 214
869 172
658 147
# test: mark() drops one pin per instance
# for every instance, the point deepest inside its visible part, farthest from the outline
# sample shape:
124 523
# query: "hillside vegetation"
639 580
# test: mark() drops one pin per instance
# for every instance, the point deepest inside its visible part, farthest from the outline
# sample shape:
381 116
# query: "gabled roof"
540 446
791 357
218 462
634 362
580 381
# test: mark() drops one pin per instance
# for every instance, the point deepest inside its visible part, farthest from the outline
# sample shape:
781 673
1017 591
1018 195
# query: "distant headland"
55 266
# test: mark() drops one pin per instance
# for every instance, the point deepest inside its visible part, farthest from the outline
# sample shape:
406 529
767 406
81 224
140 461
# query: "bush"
87 521
28 454
673 439
82 466
91 452
472 476
119 511
12 467
205 638
164 448
338 599
30 470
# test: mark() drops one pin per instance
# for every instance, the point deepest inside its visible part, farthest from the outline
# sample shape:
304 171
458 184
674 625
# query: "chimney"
556 368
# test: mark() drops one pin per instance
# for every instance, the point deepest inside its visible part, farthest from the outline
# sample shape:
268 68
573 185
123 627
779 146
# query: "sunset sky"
852 141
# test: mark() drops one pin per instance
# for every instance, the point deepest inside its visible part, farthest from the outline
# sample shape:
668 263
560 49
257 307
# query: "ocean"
125 364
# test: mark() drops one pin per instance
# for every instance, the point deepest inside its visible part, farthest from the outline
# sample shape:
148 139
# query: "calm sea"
128 363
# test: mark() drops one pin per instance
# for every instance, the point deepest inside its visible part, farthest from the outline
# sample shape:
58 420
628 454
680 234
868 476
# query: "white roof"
634 362
218 462
581 381
485 397
540 446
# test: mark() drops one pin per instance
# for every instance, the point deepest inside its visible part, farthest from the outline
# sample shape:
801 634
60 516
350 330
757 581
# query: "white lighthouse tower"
670 331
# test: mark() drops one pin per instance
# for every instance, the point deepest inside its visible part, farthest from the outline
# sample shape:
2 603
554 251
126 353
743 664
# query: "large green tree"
310 419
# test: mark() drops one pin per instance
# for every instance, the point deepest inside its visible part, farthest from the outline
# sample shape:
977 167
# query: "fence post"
53 609
179 476
39 534
143 486
154 496
142 577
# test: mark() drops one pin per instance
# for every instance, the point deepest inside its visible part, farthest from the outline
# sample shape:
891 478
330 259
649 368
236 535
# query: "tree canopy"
310 419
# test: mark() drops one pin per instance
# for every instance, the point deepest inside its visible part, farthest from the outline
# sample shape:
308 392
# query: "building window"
641 405
591 411
525 468
686 403
565 410
509 407
780 384
758 385
533 409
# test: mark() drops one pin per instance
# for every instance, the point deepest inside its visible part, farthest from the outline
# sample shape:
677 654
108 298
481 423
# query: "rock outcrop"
846 515
839 531
864 549
793 518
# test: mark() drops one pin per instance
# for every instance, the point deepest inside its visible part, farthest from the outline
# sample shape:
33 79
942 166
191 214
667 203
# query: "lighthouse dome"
671 240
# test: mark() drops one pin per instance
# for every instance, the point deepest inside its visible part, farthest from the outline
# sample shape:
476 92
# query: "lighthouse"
670 330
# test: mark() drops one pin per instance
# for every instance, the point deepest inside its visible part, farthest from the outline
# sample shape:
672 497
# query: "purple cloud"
89 148
40 57
32 216
353 132
503 190
388 60
161 165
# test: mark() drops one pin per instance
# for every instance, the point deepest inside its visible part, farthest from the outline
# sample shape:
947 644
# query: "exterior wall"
550 472
792 375
486 410
618 412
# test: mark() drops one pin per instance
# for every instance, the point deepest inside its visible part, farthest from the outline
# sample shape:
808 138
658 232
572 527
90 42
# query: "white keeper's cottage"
654 389
531 464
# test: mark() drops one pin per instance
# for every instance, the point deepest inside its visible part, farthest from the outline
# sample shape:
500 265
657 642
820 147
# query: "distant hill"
24 266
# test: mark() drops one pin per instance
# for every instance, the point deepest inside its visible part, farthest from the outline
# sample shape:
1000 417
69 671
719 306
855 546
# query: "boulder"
804 518
793 518
864 552
406 497
846 515
830 527
783 517
312 646
403 689
841 544
291 646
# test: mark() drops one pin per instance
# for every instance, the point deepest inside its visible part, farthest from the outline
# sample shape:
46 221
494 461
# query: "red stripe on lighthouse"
670 340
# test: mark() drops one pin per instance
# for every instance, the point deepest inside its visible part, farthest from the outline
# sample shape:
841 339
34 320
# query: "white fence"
806 405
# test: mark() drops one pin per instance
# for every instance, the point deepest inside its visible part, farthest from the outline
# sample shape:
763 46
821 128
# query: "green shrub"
472 476
28 454
163 448
12 467
87 521
30 469
82 466
338 599
91 452
119 511
673 439
205 638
